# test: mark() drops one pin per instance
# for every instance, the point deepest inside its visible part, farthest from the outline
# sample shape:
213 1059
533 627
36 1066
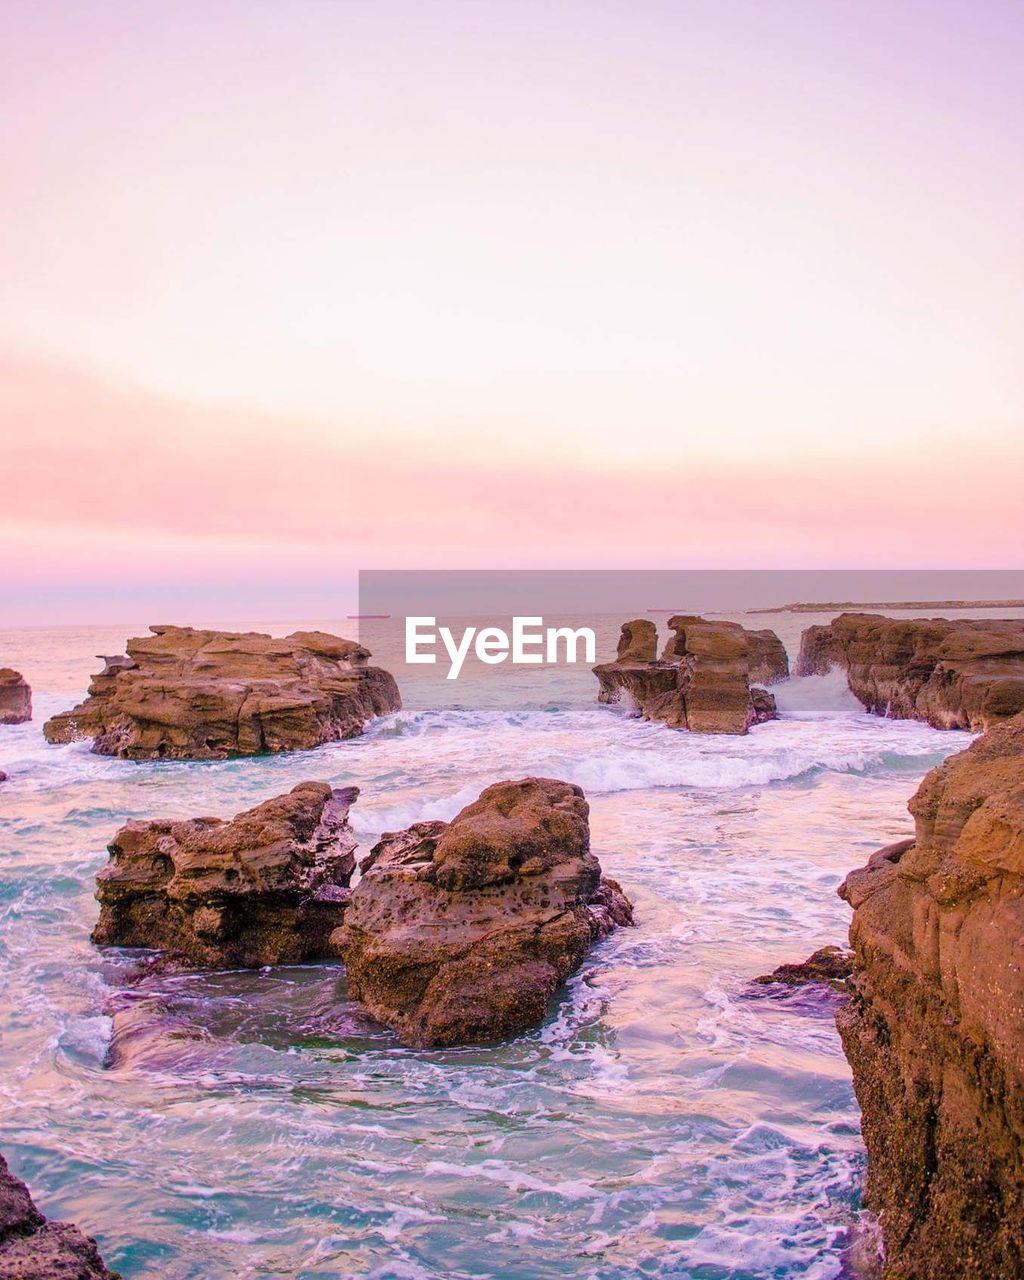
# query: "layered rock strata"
934 1031
199 695
705 680
961 674
460 932
268 887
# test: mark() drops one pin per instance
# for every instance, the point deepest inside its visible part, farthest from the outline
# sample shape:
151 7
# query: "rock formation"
184 694
963 674
268 887
33 1248
703 679
830 966
935 1027
461 932
15 697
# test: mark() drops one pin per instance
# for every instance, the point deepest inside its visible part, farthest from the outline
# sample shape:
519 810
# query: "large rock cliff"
703 679
935 1027
204 695
963 674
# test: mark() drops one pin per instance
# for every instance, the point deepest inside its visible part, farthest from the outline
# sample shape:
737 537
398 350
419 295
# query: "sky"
291 291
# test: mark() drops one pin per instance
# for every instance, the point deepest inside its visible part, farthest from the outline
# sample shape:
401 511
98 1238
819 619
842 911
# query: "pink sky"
295 290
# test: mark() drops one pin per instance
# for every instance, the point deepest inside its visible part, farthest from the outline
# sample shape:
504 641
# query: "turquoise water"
663 1122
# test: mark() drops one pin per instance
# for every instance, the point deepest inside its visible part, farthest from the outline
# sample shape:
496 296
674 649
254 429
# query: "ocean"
665 1121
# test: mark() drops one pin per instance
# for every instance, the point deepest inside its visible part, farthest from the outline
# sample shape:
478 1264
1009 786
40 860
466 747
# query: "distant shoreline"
836 605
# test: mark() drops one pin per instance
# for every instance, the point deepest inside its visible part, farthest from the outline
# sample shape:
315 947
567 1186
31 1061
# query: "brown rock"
935 1029
33 1248
200 695
461 932
15 697
639 641
963 674
828 965
703 679
268 887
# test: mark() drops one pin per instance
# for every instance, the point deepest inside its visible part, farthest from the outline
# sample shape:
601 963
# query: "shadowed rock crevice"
183 694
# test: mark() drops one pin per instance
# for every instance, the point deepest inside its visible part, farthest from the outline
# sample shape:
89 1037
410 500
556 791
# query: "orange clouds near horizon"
117 486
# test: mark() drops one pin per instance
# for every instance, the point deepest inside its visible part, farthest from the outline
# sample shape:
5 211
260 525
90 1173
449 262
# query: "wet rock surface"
705 679
34 1248
461 932
267 887
185 694
951 674
15 697
830 966
934 1030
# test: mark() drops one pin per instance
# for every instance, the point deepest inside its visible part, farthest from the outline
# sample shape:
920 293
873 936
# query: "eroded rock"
829 966
15 697
268 887
184 694
961 674
33 1248
705 678
935 1028
461 932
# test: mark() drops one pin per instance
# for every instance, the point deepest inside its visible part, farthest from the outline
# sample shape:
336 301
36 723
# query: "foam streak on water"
661 1123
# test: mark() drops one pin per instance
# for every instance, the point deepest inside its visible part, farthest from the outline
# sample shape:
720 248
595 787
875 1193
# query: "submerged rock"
934 1031
828 965
183 694
704 679
460 932
33 1248
15 697
268 887
962 674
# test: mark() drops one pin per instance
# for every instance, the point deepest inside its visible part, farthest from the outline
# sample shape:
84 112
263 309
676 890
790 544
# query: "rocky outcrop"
33 1248
183 694
268 887
15 697
461 932
702 682
934 1031
963 674
830 966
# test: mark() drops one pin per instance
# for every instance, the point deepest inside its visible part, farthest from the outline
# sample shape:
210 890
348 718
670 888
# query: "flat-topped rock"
953 674
935 1028
268 887
184 694
460 932
703 680
15 697
33 1248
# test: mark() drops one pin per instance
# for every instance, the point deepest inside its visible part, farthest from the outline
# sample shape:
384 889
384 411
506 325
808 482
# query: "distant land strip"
832 606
